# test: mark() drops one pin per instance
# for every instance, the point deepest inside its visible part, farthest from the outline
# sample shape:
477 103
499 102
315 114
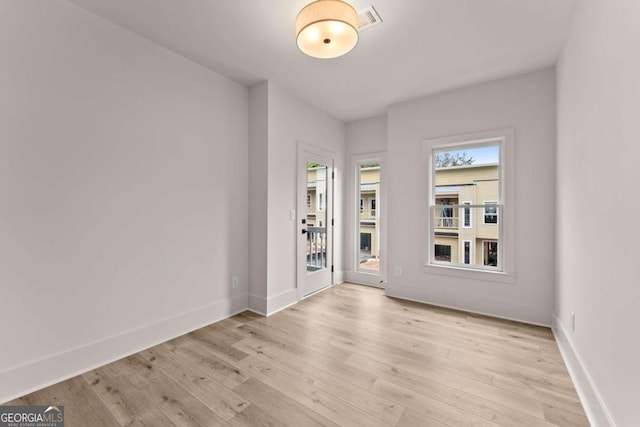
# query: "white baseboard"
338 277
269 306
258 305
33 376
281 301
497 316
592 401
273 304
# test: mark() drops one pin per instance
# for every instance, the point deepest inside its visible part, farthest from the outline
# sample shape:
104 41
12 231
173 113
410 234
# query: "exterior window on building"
308 200
365 242
361 205
490 213
446 220
467 252
465 184
443 253
466 215
490 253
320 201
373 207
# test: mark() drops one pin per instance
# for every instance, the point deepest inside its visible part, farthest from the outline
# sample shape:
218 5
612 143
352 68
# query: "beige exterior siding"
473 185
368 207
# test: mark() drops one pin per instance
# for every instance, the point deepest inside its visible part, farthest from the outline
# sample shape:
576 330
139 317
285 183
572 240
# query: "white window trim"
449 246
489 241
462 214
484 212
354 273
506 253
462 242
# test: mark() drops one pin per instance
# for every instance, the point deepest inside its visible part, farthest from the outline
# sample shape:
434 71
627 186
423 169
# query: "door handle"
304 231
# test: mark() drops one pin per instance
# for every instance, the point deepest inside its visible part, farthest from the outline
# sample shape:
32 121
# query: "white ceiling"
422 47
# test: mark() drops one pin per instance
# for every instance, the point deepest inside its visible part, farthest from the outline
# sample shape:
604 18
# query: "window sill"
466 273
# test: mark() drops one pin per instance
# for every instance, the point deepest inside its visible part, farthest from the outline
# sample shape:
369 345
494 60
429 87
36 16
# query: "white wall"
367 135
123 194
598 207
525 103
290 121
258 195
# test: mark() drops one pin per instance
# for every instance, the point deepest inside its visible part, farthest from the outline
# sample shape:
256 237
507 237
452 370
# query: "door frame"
353 274
301 207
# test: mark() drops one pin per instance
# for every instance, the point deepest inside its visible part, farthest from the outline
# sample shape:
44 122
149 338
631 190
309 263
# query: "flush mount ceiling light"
327 28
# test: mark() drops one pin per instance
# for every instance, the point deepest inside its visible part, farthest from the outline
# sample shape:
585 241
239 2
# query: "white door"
314 220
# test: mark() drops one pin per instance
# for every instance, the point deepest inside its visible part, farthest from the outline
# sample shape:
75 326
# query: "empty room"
336 213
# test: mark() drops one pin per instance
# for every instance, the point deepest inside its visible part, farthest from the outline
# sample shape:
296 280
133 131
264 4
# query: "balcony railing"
446 221
367 213
316 248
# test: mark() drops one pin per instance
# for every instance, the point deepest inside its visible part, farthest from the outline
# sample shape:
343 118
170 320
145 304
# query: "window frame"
354 272
486 203
485 241
464 212
505 139
462 252
444 246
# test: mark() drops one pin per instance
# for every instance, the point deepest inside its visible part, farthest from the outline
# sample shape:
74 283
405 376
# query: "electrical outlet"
398 270
234 282
573 322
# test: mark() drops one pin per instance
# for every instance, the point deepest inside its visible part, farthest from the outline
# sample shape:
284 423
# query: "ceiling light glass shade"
327 28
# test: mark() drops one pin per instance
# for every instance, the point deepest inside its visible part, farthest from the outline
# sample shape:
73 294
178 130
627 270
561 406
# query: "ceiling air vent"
368 18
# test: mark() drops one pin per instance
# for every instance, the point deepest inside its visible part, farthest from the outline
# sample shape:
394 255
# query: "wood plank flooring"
346 356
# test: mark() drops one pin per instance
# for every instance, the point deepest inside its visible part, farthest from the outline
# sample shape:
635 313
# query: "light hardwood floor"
346 356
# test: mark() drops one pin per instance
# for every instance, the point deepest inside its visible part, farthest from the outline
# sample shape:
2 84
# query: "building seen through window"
369 217
466 206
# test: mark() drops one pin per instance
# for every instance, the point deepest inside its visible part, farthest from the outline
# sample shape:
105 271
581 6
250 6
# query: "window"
446 217
320 201
490 215
443 253
368 231
308 200
490 253
365 242
466 252
466 215
470 190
